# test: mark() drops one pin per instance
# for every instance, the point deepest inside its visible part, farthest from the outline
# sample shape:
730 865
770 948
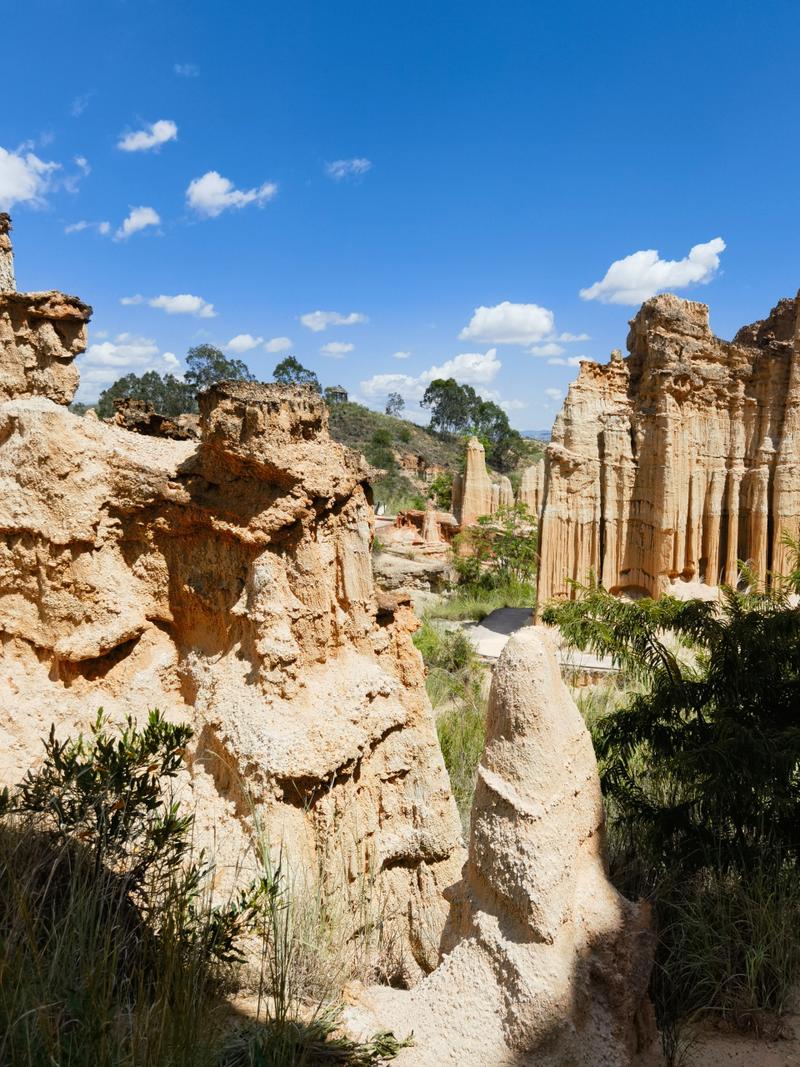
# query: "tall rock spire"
7 279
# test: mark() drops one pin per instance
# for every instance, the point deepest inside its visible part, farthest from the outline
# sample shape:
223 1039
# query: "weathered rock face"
40 335
678 461
227 582
547 964
531 488
7 279
472 493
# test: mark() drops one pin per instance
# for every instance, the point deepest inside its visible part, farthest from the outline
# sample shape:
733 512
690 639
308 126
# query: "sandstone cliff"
547 964
678 461
228 582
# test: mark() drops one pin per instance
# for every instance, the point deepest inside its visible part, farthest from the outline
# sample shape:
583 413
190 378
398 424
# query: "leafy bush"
499 550
700 767
441 489
111 952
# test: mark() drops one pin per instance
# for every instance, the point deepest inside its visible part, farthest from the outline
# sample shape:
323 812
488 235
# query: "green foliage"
501 549
353 425
334 394
441 489
378 450
476 601
168 395
700 766
207 364
454 684
314 1043
291 372
404 434
458 409
717 724
394 404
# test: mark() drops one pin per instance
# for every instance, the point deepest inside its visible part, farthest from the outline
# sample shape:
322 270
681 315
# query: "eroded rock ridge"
678 461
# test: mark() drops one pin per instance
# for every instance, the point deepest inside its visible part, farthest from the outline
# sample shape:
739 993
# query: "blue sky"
399 166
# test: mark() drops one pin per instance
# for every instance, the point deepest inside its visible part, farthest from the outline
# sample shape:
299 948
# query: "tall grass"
475 602
455 684
108 964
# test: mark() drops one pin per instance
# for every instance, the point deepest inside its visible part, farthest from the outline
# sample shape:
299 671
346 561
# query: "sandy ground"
716 1049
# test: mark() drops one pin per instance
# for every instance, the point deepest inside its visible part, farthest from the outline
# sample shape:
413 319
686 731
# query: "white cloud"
567 337
470 368
79 105
336 349
509 324
401 355
103 363
186 70
570 361
138 219
277 344
24 178
554 394
320 320
641 275
243 342
212 194
152 136
129 301
82 163
77 227
347 168
184 304
550 348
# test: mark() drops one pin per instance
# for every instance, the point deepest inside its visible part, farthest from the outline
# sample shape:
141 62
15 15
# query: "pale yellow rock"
546 963
475 491
227 582
672 465
531 489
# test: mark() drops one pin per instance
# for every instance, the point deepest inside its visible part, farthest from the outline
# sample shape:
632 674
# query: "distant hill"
537 435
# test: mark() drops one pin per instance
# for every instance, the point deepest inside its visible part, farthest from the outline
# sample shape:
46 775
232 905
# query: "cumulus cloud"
321 320
401 355
509 324
550 348
243 342
184 304
641 275
24 178
278 344
341 169
104 362
336 349
186 70
153 135
570 361
212 194
470 368
138 219
554 394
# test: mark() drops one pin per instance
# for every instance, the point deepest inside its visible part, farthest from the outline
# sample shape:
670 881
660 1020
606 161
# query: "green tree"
291 372
207 364
394 404
451 405
441 489
501 549
168 395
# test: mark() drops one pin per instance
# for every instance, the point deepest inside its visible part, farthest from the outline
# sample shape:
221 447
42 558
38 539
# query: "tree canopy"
291 372
458 409
207 364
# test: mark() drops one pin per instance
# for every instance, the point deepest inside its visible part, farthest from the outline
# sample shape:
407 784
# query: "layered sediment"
679 461
228 582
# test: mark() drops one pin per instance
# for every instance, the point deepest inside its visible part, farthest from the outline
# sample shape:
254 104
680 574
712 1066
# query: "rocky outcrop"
531 489
546 963
675 463
40 335
227 582
139 416
472 491
8 282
